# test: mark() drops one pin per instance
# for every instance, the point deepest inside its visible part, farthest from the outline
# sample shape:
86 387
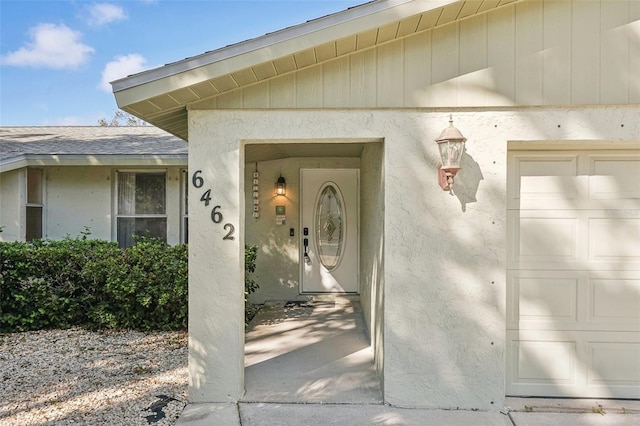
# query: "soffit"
161 96
266 152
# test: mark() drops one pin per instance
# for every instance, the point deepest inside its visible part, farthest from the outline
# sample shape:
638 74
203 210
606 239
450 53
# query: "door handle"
307 259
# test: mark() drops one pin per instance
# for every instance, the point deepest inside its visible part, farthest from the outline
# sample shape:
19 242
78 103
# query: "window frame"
29 204
116 200
184 206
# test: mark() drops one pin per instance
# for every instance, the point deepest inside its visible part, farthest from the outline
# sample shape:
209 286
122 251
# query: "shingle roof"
83 146
124 140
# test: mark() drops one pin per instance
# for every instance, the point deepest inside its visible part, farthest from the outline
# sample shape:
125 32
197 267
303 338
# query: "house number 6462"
216 216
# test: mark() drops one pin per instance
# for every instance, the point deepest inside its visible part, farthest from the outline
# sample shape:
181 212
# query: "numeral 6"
216 216
197 180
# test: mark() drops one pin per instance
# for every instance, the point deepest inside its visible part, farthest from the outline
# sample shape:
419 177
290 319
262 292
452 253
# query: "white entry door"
329 239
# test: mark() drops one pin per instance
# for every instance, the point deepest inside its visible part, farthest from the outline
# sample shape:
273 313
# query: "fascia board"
146 160
285 42
13 163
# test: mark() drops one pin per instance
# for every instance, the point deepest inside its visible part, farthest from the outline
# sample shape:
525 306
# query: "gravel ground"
63 377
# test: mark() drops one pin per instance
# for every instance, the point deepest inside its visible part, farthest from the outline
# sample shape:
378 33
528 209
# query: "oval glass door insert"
329 226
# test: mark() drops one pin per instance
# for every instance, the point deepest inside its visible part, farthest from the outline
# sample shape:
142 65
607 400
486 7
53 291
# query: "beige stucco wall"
444 254
372 247
78 197
12 197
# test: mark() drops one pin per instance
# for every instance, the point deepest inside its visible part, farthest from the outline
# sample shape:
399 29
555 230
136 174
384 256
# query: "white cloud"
120 67
51 46
104 13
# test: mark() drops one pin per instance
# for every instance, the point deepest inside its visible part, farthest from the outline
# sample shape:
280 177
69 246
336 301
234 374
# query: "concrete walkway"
311 364
310 353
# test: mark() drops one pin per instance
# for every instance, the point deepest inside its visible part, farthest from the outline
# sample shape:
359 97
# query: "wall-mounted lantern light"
281 186
451 146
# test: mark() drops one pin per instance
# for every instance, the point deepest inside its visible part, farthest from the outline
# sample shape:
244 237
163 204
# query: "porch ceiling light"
281 186
451 146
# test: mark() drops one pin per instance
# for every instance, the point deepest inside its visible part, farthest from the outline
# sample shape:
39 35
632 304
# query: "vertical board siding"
446 54
501 51
445 65
634 52
417 56
614 48
585 53
390 71
556 71
283 91
531 52
474 75
256 96
336 82
363 79
230 100
309 87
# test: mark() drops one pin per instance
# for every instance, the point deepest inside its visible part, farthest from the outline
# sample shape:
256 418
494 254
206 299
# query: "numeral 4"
206 197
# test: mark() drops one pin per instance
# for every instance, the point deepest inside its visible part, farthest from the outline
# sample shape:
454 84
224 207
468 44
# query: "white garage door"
573 292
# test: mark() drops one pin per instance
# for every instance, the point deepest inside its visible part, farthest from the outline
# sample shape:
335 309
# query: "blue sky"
57 57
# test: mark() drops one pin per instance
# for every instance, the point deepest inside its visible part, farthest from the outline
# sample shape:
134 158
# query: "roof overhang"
45 160
161 96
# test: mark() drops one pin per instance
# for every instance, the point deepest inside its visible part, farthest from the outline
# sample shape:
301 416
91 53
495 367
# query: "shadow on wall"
467 181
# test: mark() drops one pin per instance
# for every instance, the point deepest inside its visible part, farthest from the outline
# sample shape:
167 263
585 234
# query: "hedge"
92 284
96 285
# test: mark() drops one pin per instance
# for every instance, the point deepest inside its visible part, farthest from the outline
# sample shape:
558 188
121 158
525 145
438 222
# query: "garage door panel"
614 364
574 181
551 178
549 362
574 239
544 363
573 363
615 240
544 240
549 300
615 302
544 300
614 177
548 239
573 300
551 189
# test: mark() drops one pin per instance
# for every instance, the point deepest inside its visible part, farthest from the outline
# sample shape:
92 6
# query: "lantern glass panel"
451 154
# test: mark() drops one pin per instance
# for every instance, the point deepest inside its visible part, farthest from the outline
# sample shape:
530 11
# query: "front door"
329 238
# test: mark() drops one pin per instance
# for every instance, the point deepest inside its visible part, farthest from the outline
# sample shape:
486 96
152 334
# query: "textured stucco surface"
78 197
216 276
444 254
372 247
13 195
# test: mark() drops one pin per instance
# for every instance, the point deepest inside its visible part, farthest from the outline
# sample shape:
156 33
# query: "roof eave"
235 57
110 160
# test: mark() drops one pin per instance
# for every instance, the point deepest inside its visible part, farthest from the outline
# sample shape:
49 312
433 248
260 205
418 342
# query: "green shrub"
41 283
94 284
250 255
250 285
146 288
